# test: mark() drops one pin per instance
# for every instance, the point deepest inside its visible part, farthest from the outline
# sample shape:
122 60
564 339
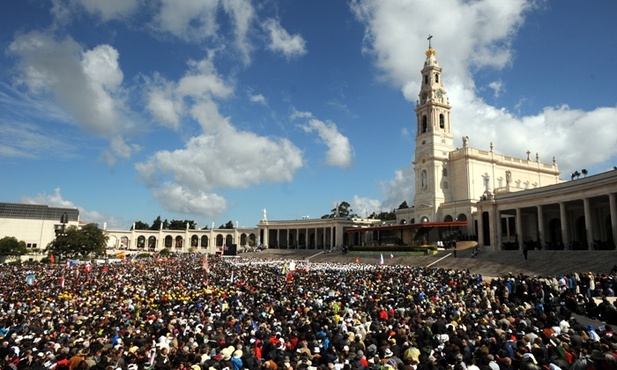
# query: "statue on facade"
264 214
508 177
465 141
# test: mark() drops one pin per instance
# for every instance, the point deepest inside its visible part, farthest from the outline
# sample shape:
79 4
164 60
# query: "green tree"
342 210
157 223
181 224
139 225
10 246
76 242
384 216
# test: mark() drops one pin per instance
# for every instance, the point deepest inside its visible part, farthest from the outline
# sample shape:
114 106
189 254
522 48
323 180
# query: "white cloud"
400 188
340 152
87 84
220 157
64 10
190 20
109 9
225 159
242 15
497 87
57 200
177 198
282 42
169 102
259 99
364 207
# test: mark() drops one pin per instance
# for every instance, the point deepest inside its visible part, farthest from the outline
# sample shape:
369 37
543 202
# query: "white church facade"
500 197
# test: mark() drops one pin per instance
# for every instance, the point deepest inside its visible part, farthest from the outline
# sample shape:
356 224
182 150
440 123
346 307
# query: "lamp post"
60 228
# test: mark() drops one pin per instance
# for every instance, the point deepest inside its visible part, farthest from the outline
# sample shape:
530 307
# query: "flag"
87 267
52 259
357 260
391 256
292 266
30 279
381 260
62 282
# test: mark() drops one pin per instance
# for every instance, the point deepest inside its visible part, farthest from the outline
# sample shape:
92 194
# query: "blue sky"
213 110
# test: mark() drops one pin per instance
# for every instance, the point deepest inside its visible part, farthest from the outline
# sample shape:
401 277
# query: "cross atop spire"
429 40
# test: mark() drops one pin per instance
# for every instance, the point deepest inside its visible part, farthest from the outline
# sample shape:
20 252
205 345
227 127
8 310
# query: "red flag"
52 259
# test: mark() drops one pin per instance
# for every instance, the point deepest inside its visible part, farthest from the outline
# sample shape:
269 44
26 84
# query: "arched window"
436 77
426 79
444 172
424 123
442 121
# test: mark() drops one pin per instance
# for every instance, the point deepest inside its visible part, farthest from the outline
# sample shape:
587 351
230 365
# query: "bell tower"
433 142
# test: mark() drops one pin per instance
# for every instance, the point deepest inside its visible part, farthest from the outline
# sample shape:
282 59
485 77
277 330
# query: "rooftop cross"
429 40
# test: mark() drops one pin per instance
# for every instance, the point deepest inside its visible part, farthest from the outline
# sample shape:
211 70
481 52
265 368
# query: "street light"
61 227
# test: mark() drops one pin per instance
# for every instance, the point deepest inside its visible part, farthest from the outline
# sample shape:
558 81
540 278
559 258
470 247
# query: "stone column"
541 236
564 224
480 227
612 198
588 223
499 232
519 228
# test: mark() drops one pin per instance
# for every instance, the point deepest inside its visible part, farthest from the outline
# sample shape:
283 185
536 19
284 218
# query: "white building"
35 224
504 201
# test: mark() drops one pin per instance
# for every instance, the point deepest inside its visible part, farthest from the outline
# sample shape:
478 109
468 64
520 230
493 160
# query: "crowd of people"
189 313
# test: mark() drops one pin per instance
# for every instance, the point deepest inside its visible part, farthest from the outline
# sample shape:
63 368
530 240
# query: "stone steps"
489 264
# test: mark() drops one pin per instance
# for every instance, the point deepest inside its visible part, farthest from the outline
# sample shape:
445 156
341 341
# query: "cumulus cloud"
242 14
225 159
282 42
364 206
191 20
169 101
398 189
474 36
340 152
57 200
220 157
177 198
87 84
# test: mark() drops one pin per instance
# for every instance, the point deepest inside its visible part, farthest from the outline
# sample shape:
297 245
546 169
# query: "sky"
213 110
